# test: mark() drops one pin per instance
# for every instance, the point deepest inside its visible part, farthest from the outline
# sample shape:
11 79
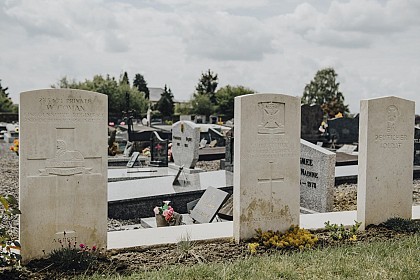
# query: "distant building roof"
155 94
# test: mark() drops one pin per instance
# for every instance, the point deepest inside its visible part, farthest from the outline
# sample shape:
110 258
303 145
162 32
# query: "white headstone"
317 176
63 170
185 143
386 141
266 172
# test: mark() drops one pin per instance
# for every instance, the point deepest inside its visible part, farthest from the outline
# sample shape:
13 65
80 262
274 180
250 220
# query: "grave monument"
63 170
185 144
266 171
385 180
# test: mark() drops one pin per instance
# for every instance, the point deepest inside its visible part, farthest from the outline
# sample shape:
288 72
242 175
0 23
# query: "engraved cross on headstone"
273 180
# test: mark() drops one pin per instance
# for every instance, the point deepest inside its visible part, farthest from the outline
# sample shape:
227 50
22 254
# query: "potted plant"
166 216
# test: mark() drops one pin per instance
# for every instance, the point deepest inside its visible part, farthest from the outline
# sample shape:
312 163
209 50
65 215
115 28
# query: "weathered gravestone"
209 204
229 150
266 171
311 119
343 130
317 175
185 143
385 180
159 151
63 170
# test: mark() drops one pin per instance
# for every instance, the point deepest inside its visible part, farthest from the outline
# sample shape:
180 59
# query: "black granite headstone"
311 119
343 130
159 151
208 205
416 146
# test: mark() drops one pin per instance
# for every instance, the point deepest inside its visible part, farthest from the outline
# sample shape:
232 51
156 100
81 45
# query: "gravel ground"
344 195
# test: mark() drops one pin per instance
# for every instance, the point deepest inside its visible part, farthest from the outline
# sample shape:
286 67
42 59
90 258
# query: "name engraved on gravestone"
65 238
62 174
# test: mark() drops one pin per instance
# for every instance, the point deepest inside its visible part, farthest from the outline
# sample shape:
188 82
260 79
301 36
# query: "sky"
269 46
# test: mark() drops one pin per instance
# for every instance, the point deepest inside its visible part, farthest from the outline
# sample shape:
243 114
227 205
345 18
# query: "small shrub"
402 225
9 251
72 258
293 238
339 232
252 247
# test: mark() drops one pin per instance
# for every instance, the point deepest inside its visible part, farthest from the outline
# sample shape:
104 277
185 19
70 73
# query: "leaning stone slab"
385 181
317 175
63 170
266 171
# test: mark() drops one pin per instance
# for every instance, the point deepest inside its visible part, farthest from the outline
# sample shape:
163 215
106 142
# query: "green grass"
392 259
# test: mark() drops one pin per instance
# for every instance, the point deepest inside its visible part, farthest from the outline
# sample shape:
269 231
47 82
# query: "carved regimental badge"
392 116
271 118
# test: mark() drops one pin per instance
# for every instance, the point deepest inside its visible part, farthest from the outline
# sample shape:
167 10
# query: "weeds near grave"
293 238
75 258
339 232
252 247
402 225
9 254
185 249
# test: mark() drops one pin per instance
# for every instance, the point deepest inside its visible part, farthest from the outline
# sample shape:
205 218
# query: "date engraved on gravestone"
272 118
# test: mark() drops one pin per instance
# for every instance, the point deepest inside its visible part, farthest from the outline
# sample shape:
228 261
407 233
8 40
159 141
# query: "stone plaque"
266 170
133 159
317 176
185 143
208 205
385 181
63 170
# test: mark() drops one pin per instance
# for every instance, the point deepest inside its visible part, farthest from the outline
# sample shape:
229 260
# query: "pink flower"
156 210
82 246
93 248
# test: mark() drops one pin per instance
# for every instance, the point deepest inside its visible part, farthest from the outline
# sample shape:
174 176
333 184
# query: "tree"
201 105
141 84
225 98
207 85
323 90
124 79
183 108
165 105
6 103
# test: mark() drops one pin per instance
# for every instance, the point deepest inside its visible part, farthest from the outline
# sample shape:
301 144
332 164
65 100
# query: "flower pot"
160 221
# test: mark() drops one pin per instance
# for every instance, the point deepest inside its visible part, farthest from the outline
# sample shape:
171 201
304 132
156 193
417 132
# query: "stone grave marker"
385 180
185 143
344 130
347 149
159 151
209 204
317 175
311 119
266 171
133 159
63 170
417 146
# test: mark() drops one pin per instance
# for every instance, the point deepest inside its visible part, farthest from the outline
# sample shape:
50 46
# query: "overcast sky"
269 46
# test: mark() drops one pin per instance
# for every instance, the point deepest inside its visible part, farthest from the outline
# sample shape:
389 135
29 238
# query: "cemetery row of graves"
272 178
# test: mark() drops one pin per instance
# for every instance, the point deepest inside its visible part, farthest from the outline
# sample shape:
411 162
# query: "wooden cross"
272 180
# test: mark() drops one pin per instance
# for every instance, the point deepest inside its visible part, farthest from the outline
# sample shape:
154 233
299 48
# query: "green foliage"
207 85
72 258
116 92
165 105
225 98
339 232
202 105
6 103
293 238
403 225
183 108
141 85
9 247
323 90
